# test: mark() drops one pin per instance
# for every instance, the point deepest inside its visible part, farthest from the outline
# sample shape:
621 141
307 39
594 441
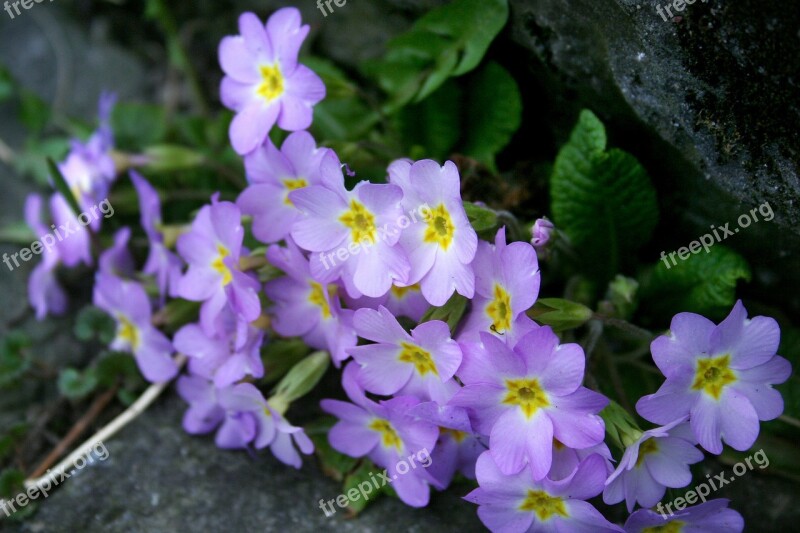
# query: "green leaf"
704 283
34 113
300 380
62 187
449 41
168 157
495 113
481 218
451 312
560 314
433 124
92 323
74 385
11 438
113 366
602 200
14 358
138 125
359 487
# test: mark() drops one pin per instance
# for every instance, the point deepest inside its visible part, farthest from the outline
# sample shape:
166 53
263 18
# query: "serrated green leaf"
76 385
92 323
704 283
433 124
602 200
449 41
495 113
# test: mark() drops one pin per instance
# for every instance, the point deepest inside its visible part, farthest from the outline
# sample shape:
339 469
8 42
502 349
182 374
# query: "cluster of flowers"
498 399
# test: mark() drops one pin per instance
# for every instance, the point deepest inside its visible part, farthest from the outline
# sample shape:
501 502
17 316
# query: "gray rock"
710 103
158 478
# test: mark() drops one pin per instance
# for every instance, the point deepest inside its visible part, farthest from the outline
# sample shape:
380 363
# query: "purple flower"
161 263
658 459
245 417
44 292
212 249
305 308
507 283
541 232
519 503
74 239
421 364
401 301
525 397
223 359
117 260
566 459
273 174
348 231
710 517
127 303
721 376
442 245
89 168
387 435
264 84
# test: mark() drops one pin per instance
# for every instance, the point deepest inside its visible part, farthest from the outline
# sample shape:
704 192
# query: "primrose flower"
712 516
541 233
387 435
74 239
721 376
89 168
212 249
442 245
421 364
263 81
400 301
347 232
127 303
207 411
118 260
306 308
161 262
507 283
44 292
272 429
525 397
566 459
519 503
223 359
656 460
273 174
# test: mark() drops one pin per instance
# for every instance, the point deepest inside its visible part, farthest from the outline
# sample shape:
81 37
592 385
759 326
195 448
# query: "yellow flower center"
360 221
458 436
646 448
440 227
673 527
544 505
271 82
420 358
293 185
388 434
317 297
499 310
401 292
713 374
527 393
127 332
219 265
